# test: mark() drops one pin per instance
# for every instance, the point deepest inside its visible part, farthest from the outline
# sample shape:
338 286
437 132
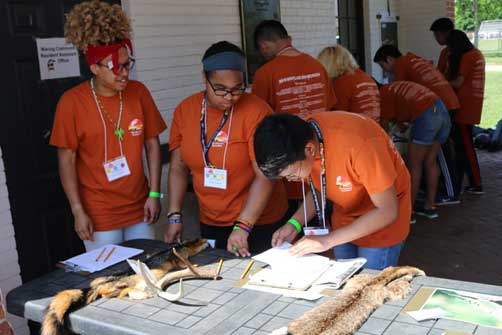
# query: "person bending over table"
212 138
348 159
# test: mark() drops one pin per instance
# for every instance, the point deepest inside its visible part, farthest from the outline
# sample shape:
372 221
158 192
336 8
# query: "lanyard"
320 208
103 120
203 126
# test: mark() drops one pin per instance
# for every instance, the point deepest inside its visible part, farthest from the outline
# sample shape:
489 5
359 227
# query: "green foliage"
487 10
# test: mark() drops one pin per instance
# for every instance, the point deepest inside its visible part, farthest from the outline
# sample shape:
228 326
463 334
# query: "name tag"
215 178
308 231
116 168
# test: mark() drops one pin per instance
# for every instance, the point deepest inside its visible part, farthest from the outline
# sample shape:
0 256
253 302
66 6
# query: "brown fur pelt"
96 23
361 296
111 287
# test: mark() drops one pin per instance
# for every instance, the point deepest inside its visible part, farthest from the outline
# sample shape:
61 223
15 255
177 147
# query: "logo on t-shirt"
136 127
220 140
343 184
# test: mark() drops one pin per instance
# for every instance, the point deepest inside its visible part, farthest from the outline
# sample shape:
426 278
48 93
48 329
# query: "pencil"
220 264
246 270
100 254
109 254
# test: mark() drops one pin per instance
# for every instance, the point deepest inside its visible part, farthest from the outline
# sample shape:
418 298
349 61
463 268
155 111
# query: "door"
351 28
42 220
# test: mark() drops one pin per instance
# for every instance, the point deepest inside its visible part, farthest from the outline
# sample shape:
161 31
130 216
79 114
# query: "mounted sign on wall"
252 13
57 58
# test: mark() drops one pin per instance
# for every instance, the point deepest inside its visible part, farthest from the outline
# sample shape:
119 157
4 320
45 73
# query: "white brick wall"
9 266
170 37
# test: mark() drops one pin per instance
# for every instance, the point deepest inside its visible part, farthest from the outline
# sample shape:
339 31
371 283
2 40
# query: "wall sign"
252 13
57 58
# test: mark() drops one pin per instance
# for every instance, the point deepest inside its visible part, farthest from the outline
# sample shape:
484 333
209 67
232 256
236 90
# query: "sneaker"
413 218
429 213
444 200
474 189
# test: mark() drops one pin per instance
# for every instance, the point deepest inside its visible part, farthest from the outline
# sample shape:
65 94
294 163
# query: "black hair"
269 30
442 25
458 43
385 51
280 141
221 46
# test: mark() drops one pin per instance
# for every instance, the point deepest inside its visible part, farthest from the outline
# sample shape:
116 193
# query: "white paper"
57 59
212 243
87 261
299 273
310 294
428 314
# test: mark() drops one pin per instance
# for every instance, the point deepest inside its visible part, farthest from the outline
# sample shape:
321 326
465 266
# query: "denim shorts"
377 258
431 126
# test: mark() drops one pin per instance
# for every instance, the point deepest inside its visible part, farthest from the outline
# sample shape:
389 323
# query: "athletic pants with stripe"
465 155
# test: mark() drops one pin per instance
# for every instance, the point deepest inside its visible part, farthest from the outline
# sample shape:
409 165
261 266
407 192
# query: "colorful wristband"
155 195
296 224
175 221
243 227
236 228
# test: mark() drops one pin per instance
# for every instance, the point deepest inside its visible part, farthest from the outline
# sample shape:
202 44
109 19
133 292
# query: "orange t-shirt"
294 84
471 93
297 85
403 101
358 93
221 207
410 67
361 160
78 126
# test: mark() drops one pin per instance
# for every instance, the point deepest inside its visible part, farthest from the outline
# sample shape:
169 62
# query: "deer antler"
190 272
154 289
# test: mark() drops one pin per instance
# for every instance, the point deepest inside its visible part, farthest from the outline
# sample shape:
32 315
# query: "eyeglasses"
221 92
127 66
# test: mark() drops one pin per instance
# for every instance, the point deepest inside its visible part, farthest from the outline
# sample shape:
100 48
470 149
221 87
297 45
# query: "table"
217 307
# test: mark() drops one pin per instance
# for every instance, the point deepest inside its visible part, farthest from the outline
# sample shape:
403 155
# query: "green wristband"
155 195
296 224
236 228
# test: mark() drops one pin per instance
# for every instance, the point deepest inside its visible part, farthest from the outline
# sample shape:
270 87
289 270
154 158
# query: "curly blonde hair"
337 60
96 23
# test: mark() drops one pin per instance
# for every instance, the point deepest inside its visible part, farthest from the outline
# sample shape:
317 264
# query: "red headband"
95 53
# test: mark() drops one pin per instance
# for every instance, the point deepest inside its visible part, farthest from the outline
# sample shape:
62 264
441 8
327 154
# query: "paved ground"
465 242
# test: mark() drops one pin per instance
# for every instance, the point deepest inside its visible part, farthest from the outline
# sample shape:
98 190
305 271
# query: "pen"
109 254
100 254
246 270
220 264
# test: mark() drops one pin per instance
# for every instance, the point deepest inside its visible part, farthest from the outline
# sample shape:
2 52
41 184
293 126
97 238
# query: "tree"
487 10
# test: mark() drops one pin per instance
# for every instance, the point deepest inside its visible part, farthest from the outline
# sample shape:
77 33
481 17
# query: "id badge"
116 168
312 231
215 178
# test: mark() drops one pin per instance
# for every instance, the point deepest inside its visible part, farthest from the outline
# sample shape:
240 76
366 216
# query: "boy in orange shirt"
349 160
355 90
406 101
441 28
291 81
100 129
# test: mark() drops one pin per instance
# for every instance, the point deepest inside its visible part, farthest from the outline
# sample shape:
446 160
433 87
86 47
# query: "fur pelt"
361 296
110 287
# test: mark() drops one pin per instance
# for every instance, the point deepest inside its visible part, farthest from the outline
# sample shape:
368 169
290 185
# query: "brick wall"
9 267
